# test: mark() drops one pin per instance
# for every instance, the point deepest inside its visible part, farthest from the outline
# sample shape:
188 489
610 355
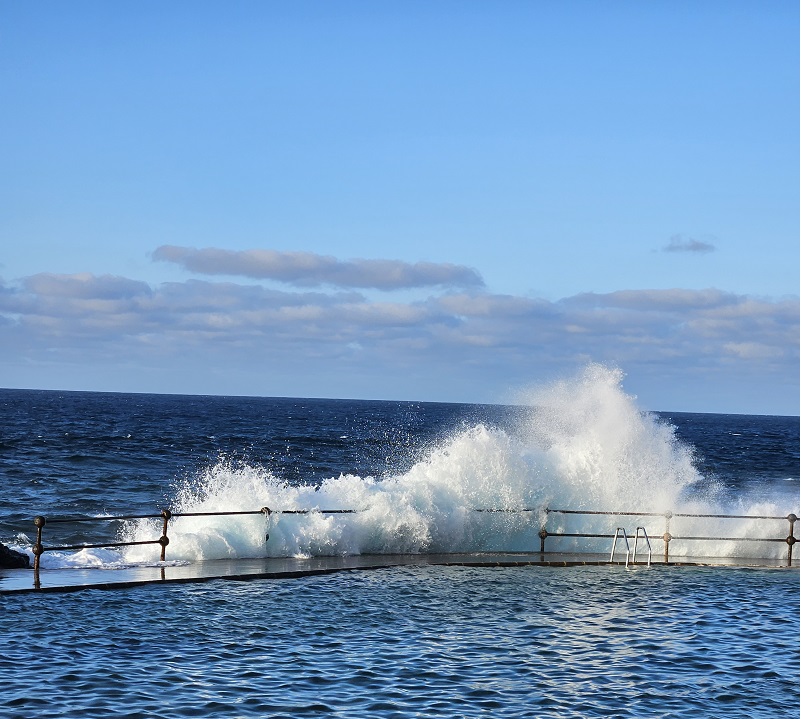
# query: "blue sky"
404 200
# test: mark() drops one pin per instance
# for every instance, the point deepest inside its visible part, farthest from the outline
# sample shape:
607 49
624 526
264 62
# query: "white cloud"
306 269
485 305
658 300
702 321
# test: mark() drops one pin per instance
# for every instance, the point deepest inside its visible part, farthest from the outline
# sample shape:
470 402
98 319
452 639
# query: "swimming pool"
415 641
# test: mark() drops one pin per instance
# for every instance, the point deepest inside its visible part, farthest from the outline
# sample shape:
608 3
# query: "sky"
427 201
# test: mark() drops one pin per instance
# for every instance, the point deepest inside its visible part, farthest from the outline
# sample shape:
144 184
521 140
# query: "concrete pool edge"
14 581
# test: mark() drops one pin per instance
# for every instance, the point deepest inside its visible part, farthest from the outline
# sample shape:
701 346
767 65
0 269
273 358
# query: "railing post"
791 539
667 535
164 540
38 548
543 533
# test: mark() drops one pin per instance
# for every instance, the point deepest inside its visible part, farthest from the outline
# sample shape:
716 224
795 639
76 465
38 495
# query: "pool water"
415 641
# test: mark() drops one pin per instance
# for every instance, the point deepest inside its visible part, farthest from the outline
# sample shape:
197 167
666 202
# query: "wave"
583 445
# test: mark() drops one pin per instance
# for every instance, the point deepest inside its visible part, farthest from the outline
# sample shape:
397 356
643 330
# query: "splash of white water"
584 446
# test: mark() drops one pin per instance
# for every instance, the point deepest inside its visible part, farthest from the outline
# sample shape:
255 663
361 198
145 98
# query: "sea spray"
429 508
582 444
605 453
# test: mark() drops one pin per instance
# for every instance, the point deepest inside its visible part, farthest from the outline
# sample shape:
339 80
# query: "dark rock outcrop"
11 559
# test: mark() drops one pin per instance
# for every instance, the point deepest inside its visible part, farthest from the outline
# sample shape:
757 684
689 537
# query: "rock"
11 559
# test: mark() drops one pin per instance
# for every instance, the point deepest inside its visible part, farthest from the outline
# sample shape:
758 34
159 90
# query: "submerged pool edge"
14 581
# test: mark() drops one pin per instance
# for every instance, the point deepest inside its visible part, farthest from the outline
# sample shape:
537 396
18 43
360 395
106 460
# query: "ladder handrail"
648 545
626 542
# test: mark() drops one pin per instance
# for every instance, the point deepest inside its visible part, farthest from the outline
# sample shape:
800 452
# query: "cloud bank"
305 269
463 340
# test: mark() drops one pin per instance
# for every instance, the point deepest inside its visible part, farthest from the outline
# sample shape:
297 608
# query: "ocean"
595 641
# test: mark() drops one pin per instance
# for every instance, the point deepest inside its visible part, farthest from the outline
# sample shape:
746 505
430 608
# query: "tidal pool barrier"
40 522
556 555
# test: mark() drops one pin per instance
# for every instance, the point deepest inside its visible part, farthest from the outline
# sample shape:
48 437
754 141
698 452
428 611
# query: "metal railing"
165 515
40 522
790 539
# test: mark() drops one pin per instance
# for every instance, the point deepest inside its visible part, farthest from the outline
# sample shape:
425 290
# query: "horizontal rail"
264 510
513 511
734 539
546 510
613 514
319 511
104 545
730 516
660 536
70 520
660 514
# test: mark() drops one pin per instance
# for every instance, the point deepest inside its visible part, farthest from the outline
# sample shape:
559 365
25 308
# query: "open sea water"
595 641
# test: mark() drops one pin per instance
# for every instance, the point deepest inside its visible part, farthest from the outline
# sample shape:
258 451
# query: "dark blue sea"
595 641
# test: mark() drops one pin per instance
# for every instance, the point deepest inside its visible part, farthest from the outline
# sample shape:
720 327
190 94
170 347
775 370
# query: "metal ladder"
623 532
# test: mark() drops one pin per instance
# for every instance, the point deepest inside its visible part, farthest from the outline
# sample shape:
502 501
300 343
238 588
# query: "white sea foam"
585 446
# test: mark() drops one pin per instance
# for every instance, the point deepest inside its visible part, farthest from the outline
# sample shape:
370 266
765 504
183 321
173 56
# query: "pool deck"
69 580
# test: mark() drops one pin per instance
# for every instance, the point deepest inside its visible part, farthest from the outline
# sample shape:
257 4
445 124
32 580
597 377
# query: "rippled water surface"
422 641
